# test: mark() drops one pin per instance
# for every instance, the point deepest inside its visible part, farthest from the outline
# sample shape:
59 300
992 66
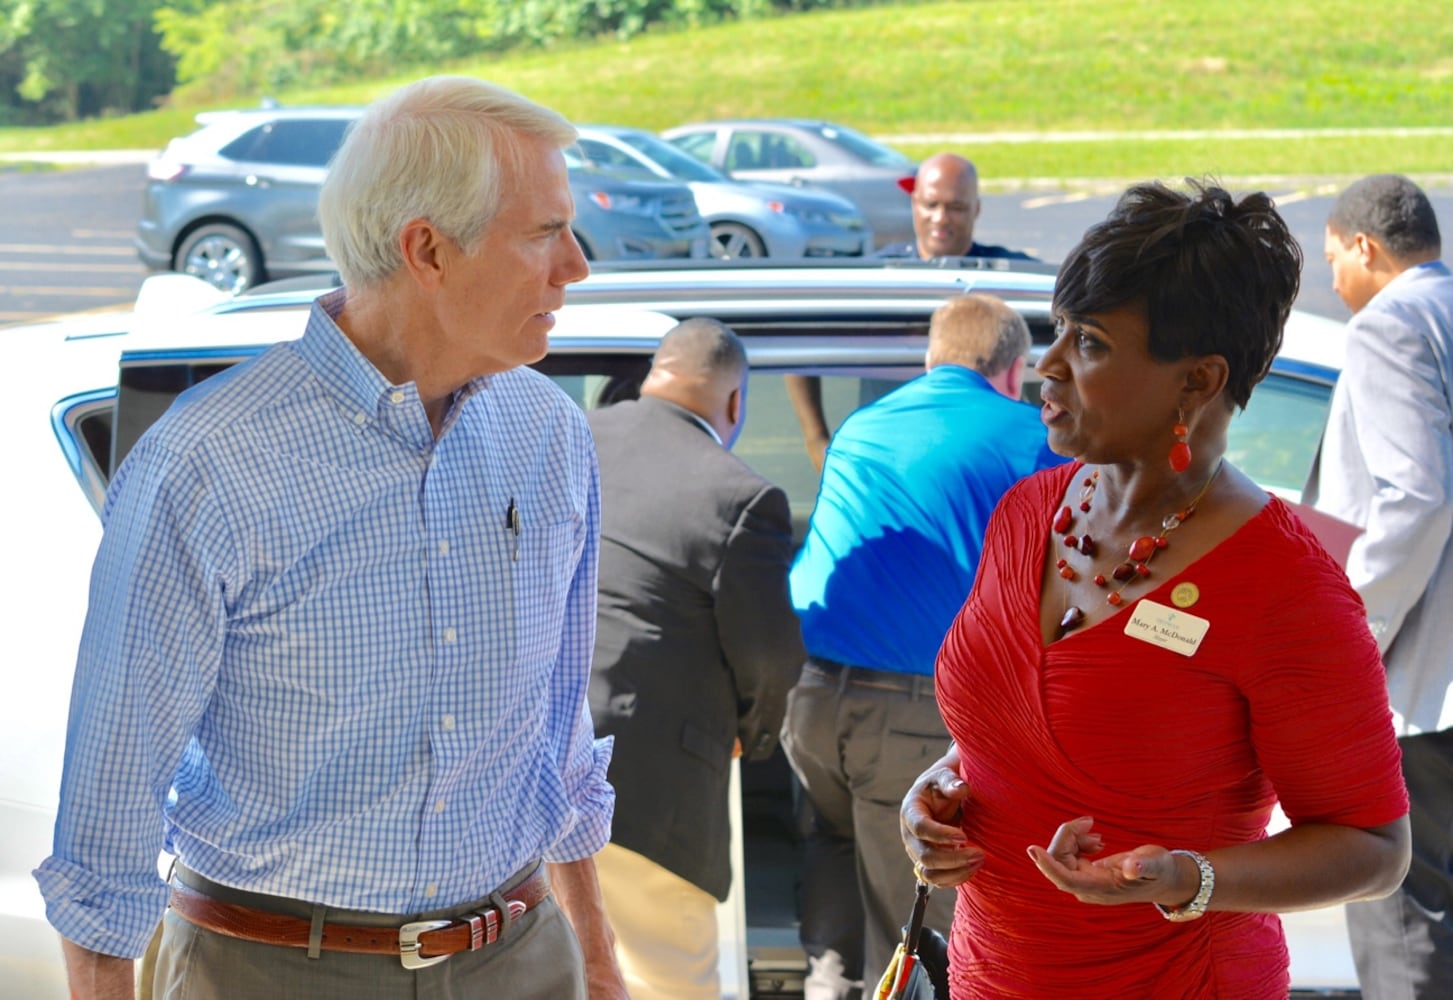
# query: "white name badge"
1169 628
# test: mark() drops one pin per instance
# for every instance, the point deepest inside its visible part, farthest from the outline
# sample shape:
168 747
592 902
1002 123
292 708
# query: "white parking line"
96 293
1172 135
1306 194
50 266
1056 199
67 251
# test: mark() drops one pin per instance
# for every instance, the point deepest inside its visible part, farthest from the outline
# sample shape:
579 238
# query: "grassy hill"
1001 81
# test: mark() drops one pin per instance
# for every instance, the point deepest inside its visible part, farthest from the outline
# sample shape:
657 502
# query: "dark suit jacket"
696 641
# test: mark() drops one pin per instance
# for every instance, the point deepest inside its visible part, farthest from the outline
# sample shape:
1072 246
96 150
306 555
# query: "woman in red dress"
1156 652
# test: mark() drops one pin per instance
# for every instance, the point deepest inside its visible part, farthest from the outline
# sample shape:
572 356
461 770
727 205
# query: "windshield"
873 152
688 168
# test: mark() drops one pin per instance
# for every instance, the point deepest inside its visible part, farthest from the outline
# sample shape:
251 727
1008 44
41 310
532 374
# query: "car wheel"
731 240
224 256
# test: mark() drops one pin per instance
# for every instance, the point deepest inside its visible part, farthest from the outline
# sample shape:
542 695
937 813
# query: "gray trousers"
538 957
856 749
1403 945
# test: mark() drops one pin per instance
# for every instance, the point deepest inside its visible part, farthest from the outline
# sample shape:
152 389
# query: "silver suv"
235 202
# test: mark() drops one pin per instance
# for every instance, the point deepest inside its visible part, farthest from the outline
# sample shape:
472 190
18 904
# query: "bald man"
696 646
945 207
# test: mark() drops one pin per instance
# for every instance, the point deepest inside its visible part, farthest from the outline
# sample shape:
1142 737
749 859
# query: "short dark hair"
1392 210
706 345
1214 275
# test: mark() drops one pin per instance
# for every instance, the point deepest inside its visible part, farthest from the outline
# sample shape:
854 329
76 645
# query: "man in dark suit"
696 646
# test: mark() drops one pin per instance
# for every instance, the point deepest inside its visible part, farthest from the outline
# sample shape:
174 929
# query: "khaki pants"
665 928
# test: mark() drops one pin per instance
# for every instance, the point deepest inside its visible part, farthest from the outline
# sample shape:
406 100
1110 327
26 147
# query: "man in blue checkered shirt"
341 620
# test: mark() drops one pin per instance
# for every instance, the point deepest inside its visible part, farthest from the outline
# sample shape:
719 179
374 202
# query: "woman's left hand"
1148 874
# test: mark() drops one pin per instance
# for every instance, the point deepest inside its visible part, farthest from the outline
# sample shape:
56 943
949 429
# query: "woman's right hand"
930 823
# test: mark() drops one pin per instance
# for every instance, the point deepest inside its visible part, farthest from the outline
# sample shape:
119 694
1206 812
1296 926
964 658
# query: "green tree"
67 59
252 47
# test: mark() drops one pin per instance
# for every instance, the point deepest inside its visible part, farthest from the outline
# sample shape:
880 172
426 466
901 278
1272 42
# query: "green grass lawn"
980 67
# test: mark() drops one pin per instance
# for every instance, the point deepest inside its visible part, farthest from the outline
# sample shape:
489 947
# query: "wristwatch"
1196 908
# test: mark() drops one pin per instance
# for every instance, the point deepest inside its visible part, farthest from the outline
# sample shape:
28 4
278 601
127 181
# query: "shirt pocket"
548 555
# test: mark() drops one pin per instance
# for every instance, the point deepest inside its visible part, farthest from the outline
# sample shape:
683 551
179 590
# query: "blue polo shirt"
907 489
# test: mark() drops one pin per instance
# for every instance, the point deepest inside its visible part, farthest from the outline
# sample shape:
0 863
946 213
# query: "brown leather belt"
417 944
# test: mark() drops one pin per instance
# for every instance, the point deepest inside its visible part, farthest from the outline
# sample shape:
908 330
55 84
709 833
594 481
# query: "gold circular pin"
1185 594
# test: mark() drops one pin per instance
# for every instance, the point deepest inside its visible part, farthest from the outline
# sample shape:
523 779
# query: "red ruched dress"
1285 698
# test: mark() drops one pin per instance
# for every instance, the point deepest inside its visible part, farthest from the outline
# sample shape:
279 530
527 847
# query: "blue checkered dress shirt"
319 648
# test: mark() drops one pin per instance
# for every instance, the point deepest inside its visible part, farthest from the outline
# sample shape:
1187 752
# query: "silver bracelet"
1196 908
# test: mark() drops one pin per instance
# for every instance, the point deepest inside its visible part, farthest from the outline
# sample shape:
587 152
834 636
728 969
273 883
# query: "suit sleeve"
761 639
1401 406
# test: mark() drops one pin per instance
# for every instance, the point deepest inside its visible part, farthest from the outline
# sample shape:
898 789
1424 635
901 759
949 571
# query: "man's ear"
423 248
1014 377
1367 249
734 406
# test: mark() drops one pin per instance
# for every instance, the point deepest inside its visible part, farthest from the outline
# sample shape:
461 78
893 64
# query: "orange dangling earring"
1180 452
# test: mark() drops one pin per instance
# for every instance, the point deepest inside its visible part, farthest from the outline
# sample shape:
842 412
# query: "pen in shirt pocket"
512 524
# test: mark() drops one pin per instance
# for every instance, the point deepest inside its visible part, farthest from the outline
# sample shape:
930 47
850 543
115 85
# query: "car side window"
771 442
744 151
296 143
1276 437
782 152
245 147
697 144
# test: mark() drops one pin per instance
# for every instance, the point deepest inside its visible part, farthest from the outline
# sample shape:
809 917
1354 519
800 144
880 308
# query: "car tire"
732 240
222 255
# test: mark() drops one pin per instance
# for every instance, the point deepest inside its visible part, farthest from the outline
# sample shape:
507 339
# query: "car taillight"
906 183
165 170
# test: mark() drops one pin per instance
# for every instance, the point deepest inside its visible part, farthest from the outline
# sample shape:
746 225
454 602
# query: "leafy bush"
65 59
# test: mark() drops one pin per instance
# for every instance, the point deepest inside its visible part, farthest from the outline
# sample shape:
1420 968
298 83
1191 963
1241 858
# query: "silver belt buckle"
409 943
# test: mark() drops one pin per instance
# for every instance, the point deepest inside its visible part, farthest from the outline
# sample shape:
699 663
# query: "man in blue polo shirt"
907 488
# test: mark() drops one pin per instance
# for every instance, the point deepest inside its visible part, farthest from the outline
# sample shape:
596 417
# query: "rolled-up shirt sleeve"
147 661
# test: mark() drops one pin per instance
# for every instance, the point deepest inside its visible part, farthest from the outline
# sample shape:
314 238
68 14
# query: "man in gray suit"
1386 466
696 646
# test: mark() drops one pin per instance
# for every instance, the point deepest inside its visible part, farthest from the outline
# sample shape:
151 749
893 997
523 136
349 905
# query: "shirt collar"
690 414
349 374
329 352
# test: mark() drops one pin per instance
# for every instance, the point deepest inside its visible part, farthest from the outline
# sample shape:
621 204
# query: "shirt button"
444 547
448 723
396 397
360 419
431 890
448 635
439 806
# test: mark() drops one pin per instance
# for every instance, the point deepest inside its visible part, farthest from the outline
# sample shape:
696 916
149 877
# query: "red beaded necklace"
1141 551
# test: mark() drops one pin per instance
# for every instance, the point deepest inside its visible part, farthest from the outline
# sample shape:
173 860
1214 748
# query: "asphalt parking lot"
66 235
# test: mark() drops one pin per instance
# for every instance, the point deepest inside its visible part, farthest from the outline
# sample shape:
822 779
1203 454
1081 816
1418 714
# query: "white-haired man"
338 643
